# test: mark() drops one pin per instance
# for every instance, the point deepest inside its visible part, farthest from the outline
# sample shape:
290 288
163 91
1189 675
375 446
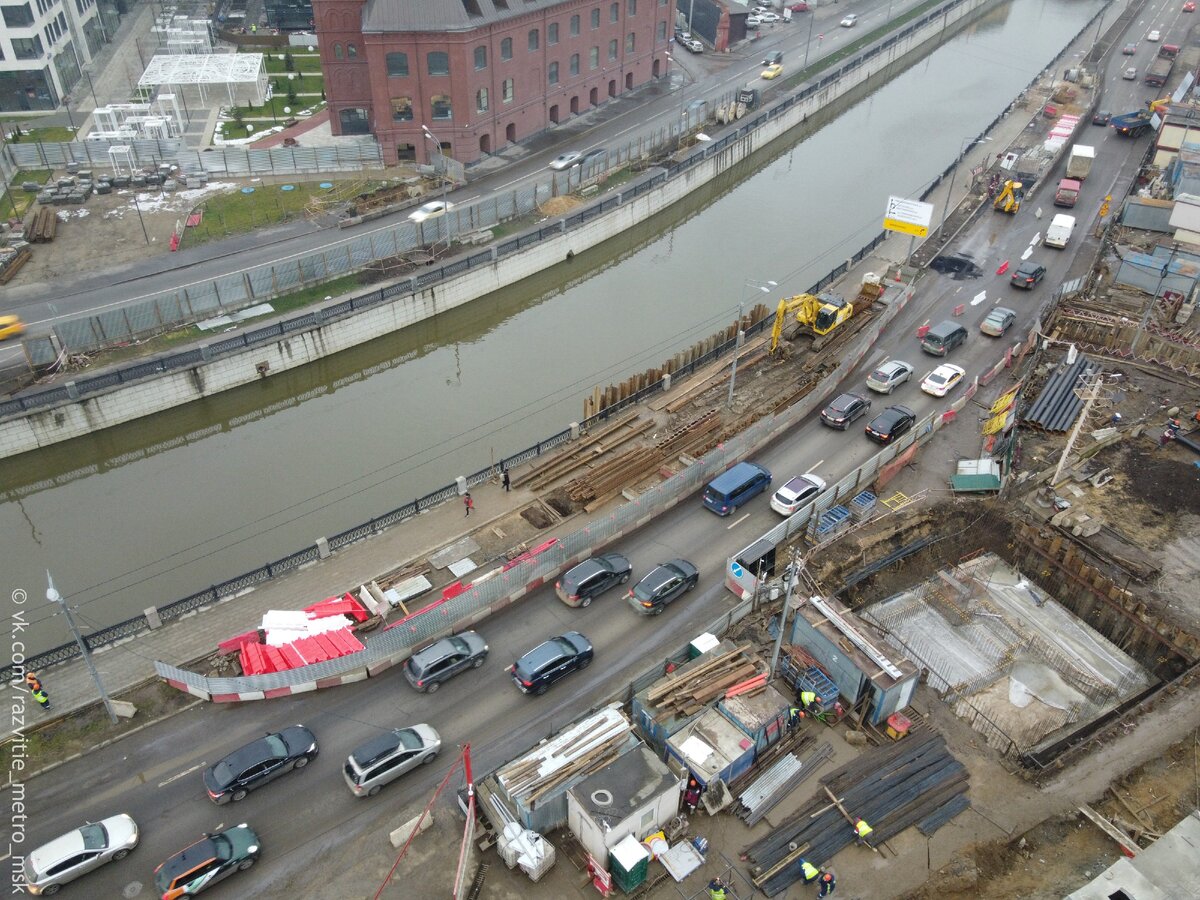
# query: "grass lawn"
51 134
21 199
301 84
301 62
238 213
277 104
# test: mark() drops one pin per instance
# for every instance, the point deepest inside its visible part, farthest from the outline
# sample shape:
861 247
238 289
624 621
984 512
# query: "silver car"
385 758
889 375
76 853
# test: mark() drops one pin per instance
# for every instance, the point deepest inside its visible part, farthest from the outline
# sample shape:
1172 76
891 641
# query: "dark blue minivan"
743 482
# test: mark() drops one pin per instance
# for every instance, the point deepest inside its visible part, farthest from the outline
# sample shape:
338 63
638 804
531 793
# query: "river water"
145 513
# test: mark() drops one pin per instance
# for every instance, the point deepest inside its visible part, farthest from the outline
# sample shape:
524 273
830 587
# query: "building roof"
709 744
624 786
902 668
1166 870
446 15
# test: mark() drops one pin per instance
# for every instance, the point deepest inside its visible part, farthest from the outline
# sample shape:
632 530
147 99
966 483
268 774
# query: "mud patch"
1169 482
559 502
537 516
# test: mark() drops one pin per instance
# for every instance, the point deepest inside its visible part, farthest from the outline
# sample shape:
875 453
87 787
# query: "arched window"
351 51
337 51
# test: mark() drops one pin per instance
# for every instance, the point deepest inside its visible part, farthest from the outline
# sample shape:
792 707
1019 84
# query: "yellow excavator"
817 315
1009 199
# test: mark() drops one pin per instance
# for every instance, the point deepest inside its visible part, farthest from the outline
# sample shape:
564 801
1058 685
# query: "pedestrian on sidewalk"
32 681
468 502
506 481
42 698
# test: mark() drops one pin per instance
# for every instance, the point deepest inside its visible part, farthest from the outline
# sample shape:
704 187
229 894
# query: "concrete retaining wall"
125 403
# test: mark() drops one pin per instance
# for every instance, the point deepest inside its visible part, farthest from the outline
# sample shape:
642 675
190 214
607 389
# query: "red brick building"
480 74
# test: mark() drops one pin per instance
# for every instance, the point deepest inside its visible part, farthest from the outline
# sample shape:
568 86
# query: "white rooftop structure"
243 75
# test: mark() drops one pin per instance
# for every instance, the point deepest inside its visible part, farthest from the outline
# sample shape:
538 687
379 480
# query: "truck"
1159 72
1132 124
1067 193
1079 163
1061 228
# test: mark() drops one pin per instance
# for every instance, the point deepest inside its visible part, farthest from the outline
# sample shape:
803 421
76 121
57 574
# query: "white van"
1060 230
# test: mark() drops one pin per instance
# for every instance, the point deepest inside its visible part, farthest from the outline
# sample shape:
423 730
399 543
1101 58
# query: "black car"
1101 117
428 668
1028 274
591 578
258 762
844 409
546 663
662 584
206 862
893 422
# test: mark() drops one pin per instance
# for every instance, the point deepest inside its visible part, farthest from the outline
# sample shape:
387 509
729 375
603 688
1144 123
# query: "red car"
1189 6
803 7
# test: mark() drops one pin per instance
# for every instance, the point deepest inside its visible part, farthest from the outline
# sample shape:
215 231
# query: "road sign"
736 569
908 216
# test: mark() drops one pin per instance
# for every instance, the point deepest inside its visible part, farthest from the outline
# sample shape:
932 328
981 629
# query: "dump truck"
1079 163
1132 124
1159 72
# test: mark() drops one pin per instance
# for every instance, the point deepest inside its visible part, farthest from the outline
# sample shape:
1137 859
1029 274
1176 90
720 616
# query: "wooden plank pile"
44 227
609 478
583 748
891 789
690 692
11 261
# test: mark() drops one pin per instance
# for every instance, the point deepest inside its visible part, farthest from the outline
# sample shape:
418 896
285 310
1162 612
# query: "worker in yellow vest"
809 700
862 830
809 872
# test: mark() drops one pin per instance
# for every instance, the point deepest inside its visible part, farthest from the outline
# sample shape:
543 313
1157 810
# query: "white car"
1153 35
76 853
769 18
795 493
753 21
942 380
430 210
566 160
889 375
1129 74
850 21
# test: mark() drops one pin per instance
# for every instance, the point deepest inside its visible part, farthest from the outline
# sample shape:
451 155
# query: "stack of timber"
690 692
11 260
914 781
608 479
44 227
583 748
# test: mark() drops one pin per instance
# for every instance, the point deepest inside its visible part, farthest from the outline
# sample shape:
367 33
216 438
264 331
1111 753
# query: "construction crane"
816 315
1009 199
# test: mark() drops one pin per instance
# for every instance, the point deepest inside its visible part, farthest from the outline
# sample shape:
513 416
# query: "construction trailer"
532 789
762 716
657 717
711 748
857 659
634 795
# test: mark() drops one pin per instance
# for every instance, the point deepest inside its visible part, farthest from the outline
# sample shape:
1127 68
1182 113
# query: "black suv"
258 762
442 660
662 584
546 663
591 578
844 409
1028 274
890 424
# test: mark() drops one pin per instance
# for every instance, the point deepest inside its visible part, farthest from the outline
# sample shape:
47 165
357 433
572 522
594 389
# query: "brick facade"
391 83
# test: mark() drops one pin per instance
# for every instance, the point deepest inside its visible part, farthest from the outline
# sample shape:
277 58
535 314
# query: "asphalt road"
708 75
155 775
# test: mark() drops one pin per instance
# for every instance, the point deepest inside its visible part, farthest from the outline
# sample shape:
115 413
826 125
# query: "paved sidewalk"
126 664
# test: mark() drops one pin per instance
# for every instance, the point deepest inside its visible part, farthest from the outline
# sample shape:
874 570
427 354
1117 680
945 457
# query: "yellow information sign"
906 227
907 216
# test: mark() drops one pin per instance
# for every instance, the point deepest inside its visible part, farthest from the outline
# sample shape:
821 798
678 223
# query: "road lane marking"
1028 253
744 517
815 466
182 774
979 298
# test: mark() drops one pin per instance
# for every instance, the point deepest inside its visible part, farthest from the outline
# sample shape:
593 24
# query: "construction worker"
41 697
826 884
808 700
862 830
809 872
716 889
794 716
32 681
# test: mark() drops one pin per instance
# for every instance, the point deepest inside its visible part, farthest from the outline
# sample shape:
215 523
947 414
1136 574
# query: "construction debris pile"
915 781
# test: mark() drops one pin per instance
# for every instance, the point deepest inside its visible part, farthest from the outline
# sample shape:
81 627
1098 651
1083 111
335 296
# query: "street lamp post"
55 597
966 145
681 96
808 43
765 287
445 212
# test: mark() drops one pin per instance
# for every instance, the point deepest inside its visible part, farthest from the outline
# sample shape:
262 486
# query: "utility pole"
55 597
789 583
1089 393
